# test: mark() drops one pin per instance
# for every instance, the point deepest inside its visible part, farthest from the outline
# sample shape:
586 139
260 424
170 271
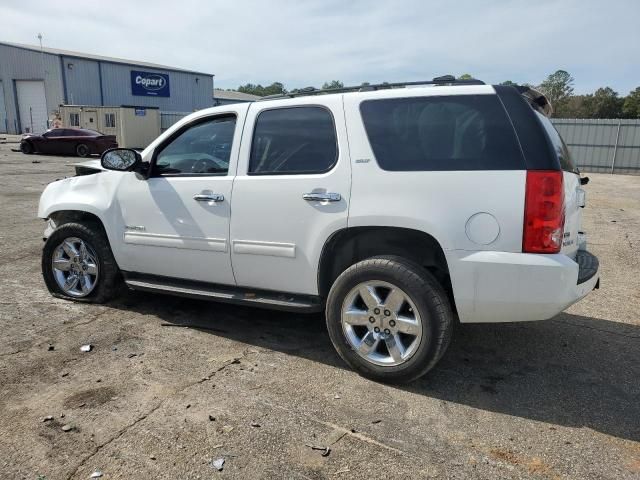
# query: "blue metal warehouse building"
34 81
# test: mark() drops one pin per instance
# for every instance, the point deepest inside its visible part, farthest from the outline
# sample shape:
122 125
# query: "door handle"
211 197
321 197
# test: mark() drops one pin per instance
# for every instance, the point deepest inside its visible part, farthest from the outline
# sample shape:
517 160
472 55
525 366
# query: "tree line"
558 87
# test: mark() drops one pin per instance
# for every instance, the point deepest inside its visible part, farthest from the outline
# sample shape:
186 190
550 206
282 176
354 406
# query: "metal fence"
602 145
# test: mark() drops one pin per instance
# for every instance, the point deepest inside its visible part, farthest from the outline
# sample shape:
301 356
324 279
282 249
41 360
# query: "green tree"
558 87
276 88
465 76
332 84
605 103
576 106
631 106
508 83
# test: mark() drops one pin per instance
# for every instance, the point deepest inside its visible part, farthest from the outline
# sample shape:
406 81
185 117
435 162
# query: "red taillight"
543 212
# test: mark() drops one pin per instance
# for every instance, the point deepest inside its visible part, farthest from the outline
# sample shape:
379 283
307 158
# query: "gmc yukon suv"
395 209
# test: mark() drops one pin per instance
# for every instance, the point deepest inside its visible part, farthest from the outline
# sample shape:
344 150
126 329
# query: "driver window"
202 149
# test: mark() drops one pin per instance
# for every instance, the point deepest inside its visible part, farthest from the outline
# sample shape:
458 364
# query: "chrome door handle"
213 197
321 197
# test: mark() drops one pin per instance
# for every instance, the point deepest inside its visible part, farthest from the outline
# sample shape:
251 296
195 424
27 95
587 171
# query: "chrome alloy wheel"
381 323
75 267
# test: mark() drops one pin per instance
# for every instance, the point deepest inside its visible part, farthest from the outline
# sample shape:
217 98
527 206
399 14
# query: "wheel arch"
353 244
60 217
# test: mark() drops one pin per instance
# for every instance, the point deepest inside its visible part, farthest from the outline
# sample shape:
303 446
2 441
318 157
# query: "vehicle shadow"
573 371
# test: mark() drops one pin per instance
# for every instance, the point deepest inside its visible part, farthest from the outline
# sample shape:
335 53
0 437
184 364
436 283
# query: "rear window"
564 157
457 132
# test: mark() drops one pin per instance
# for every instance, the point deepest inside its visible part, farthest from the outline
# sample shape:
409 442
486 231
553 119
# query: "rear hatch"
574 195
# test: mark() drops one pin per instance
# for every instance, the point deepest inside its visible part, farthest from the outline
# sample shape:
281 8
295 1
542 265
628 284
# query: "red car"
68 141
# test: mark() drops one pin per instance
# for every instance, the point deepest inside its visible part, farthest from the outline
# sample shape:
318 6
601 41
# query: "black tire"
82 150
108 279
430 301
26 148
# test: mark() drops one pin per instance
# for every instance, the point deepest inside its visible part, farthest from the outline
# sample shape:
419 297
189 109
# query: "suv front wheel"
77 264
389 319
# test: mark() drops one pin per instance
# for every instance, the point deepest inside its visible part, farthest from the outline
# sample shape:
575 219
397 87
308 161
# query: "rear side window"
295 140
457 132
564 157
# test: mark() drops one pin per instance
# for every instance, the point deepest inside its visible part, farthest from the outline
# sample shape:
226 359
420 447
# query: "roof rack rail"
443 80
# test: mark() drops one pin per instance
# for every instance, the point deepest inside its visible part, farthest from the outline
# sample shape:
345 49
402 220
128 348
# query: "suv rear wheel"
77 264
389 319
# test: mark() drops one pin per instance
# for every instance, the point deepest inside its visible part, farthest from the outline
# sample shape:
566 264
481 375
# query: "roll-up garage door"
3 111
32 105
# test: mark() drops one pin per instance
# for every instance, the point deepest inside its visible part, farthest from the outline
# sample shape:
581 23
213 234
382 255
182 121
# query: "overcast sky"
309 42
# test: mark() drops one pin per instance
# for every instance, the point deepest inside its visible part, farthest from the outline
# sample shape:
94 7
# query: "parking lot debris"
131 355
48 418
35 161
255 424
377 420
67 428
325 450
152 456
337 397
96 474
64 374
50 347
342 470
86 348
227 429
218 464
212 418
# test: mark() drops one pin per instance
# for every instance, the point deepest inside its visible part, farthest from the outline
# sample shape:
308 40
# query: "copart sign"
149 84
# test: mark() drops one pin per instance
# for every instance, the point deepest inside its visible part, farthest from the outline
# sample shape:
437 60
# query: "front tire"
389 319
77 264
82 150
26 148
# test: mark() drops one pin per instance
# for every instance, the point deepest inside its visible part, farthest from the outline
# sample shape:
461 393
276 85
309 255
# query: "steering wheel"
203 165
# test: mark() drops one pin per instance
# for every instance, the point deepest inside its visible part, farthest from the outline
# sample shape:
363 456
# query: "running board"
218 293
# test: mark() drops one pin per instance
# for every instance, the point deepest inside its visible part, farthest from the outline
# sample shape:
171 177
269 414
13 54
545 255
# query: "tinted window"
461 132
203 148
293 140
566 163
73 133
53 133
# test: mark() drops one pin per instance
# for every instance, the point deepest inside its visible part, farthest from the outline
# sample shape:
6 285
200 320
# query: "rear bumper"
514 287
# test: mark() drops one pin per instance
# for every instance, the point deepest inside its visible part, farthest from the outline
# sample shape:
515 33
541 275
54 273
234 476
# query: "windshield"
566 162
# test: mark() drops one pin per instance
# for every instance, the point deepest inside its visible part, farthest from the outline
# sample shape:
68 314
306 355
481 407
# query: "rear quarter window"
560 148
455 132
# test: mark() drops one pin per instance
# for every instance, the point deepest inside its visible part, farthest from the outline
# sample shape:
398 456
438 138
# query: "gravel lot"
173 383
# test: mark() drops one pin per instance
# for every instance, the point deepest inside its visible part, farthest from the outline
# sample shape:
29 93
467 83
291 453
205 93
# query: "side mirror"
121 159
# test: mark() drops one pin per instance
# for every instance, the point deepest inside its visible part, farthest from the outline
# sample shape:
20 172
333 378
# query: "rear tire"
77 264
398 328
82 150
26 148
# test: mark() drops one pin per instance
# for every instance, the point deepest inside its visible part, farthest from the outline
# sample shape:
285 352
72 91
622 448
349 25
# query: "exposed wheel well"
67 216
351 245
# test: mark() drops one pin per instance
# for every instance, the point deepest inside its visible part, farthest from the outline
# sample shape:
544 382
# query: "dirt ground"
172 384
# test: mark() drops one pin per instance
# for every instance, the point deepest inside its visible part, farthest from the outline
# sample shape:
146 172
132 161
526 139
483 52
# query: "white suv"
396 209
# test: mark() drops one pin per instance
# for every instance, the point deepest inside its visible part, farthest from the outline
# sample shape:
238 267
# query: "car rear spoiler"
536 99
